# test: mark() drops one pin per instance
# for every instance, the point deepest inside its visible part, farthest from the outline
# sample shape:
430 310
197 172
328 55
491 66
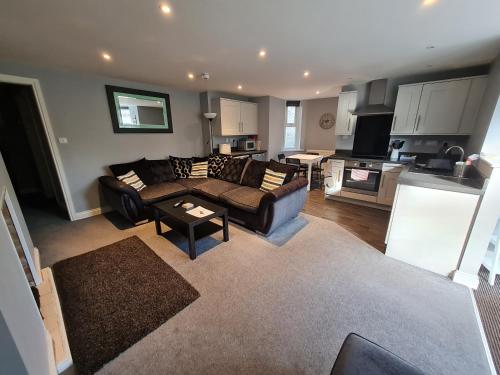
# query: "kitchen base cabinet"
428 227
388 183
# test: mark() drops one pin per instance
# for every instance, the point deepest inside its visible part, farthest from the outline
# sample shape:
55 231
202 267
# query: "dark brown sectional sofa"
235 186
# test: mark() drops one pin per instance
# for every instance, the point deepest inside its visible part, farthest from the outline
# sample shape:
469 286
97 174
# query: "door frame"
49 133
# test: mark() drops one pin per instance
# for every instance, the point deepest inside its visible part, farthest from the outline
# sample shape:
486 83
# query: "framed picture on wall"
139 111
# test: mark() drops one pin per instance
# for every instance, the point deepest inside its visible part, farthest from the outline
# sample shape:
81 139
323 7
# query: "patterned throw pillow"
133 180
199 170
216 164
272 180
181 166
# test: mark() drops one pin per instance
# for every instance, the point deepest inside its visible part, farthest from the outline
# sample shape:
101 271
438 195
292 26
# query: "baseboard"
467 279
93 212
483 335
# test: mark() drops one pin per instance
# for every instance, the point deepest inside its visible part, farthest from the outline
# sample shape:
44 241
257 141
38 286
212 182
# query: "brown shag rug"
114 296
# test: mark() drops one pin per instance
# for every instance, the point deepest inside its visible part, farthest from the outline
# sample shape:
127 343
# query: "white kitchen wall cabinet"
346 121
441 107
388 183
235 117
438 108
405 113
333 176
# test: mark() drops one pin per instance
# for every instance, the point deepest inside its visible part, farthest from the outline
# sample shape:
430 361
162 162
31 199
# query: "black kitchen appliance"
368 185
371 139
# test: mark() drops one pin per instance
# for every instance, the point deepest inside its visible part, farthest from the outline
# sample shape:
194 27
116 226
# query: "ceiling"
339 42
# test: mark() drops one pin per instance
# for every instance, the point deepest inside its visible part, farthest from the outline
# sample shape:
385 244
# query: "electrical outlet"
63 140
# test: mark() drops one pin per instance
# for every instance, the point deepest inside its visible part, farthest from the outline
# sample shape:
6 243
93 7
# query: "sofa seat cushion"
215 188
245 198
190 183
158 192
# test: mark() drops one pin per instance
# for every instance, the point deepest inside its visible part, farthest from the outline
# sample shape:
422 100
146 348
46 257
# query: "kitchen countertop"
242 153
472 185
347 155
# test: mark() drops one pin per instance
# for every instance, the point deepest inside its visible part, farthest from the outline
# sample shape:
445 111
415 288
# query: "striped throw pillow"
199 170
272 180
133 180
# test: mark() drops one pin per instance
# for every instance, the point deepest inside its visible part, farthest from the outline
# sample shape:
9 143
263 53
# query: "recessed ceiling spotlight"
430 47
240 87
262 53
106 56
165 9
306 73
428 3
190 75
317 92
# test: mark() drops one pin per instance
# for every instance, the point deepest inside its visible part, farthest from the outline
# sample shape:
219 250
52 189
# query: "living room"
237 187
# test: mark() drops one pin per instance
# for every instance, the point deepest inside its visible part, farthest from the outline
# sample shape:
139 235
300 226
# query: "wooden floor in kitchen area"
369 224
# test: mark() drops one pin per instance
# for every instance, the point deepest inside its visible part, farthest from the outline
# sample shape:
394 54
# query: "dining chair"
300 167
281 157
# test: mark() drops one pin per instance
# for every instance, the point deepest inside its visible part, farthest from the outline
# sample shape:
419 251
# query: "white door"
230 117
474 99
406 109
441 107
345 120
388 185
249 115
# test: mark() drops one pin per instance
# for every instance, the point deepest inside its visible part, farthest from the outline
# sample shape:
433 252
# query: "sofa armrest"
121 188
284 190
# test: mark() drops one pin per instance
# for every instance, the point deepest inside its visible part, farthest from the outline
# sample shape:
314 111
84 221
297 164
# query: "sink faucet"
462 152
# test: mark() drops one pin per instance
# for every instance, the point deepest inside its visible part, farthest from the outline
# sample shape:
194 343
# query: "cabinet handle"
394 122
383 180
339 174
349 125
418 122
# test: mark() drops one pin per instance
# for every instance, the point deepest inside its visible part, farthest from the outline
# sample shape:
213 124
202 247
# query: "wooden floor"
369 224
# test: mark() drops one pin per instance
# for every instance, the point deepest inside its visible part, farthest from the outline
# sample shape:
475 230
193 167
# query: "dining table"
309 160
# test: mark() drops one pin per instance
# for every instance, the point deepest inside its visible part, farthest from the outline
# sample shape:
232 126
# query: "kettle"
396 145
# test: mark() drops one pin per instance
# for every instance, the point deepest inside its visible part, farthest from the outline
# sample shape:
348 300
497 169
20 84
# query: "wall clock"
327 120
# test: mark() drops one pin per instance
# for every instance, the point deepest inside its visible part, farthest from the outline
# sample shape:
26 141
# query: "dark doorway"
26 153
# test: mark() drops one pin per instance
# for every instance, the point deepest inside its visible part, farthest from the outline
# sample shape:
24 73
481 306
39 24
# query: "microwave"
246 145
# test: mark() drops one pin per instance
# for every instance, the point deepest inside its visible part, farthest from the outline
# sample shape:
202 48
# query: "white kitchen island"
430 221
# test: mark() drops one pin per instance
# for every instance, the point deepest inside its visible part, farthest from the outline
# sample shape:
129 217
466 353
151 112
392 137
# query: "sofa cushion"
214 188
124 168
158 192
233 169
199 169
181 166
254 173
190 183
290 170
216 164
245 198
157 171
133 180
272 180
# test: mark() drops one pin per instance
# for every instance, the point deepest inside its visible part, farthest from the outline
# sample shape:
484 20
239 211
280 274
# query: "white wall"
19 314
78 109
315 137
277 111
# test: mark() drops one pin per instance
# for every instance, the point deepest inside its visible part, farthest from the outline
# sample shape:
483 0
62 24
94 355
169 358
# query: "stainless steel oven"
362 177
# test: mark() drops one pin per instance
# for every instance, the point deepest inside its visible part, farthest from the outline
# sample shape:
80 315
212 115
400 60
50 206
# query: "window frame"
297 124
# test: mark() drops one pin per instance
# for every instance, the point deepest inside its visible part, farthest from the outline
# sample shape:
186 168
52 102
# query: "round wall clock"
327 120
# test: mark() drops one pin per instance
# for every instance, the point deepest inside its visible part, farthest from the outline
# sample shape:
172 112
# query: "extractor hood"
376 99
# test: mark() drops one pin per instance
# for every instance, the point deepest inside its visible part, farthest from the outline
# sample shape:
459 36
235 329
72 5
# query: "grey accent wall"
78 110
316 137
486 136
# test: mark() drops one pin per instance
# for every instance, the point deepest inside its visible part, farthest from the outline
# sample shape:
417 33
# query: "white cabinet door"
406 109
345 119
230 120
334 174
388 185
441 107
249 115
474 99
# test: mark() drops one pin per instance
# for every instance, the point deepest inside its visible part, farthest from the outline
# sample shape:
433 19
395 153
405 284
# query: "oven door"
366 181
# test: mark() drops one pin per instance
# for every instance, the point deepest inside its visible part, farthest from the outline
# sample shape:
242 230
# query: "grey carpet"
267 309
488 304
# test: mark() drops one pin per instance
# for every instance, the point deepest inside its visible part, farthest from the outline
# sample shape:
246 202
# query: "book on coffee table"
199 211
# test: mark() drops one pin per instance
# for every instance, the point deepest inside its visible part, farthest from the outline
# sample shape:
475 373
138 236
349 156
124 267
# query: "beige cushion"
158 192
214 188
272 180
245 198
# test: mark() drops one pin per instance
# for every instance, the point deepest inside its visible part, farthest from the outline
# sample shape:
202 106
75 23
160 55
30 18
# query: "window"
292 126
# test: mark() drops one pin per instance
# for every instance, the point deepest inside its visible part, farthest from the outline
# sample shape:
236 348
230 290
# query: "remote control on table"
178 203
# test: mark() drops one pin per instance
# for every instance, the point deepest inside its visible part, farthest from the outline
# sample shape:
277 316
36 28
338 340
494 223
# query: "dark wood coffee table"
191 227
